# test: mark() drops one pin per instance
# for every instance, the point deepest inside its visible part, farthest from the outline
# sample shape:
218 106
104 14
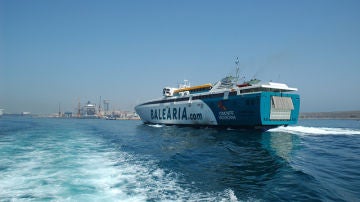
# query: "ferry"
89 111
251 104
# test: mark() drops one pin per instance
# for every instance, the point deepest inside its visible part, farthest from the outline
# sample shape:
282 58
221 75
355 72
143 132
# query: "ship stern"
279 109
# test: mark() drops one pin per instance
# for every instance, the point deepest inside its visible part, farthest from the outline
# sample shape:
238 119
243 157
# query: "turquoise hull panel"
250 110
266 109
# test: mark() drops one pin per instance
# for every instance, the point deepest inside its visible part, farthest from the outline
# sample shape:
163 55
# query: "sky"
69 51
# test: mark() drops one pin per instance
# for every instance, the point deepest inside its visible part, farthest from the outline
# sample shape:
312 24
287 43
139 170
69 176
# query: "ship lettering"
184 116
197 116
174 114
163 113
168 114
227 115
154 114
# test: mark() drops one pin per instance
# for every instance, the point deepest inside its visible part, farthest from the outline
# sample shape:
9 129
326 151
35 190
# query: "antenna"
237 68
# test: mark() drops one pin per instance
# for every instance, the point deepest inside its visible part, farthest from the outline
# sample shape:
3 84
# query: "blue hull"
262 110
251 110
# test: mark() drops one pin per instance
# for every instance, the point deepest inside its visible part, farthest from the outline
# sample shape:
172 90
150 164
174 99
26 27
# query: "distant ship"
25 113
251 104
88 111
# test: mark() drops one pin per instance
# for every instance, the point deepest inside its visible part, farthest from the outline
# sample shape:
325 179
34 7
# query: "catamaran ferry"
251 104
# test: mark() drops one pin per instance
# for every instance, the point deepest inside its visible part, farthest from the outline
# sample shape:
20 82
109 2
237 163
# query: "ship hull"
263 110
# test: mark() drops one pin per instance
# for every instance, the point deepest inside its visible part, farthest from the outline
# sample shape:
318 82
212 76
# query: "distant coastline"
331 115
354 115
123 116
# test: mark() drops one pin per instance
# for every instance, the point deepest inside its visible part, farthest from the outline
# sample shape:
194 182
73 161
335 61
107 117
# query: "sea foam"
74 166
316 130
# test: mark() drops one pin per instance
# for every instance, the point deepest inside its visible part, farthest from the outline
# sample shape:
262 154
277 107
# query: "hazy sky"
63 51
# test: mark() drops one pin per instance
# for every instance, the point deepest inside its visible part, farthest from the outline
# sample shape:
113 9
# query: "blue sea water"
98 160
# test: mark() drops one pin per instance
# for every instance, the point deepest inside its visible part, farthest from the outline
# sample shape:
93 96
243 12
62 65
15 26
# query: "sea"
49 159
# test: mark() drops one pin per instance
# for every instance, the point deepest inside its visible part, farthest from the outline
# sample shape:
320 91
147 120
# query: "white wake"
316 130
156 125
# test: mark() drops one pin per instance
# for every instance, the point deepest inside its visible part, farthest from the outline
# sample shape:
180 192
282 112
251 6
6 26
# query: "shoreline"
345 115
337 115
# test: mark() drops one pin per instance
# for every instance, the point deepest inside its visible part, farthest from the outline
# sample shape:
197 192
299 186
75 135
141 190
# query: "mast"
237 69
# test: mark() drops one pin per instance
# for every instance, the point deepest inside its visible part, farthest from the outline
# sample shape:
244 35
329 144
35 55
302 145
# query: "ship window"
253 90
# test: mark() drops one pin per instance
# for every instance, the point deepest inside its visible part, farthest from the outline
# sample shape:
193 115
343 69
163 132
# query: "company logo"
174 114
221 106
227 115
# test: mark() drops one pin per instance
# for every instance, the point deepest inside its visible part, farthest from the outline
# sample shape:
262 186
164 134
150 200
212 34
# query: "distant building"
68 114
